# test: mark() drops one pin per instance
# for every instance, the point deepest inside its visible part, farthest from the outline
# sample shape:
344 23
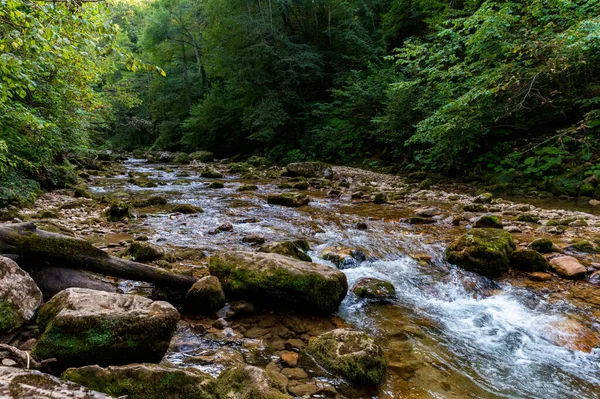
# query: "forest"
499 91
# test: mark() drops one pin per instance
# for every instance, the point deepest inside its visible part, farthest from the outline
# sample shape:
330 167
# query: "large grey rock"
18 383
20 297
145 381
279 281
82 326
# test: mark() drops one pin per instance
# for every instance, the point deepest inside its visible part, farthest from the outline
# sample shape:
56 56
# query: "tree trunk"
38 248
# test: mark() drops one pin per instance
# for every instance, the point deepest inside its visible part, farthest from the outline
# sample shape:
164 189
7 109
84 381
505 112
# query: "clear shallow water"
450 334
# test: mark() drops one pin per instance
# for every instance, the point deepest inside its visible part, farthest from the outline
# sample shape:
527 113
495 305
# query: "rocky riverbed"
315 281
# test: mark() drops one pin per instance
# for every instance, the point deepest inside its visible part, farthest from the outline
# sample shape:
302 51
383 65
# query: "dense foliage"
509 88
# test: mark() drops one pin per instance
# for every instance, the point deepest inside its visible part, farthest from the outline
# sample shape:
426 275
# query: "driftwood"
24 359
52 280
38 248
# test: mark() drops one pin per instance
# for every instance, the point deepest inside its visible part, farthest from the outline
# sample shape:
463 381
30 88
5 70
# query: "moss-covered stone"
209 173
9 317
216 184
186 209
258 161
301 185
279 281
373 288
47 214
248 187
82 192
249 382
528 260
425 185
239 167
475 208
205 297
141 251
483 198
181 158
295 249
350 354
151 201
83 326
483 251
542 245
202 156
583 245
118 211
489 221
586 190
420 220
380 198
293 200
145 381
527 217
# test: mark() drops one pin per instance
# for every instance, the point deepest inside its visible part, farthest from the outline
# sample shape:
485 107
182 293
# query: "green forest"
501 91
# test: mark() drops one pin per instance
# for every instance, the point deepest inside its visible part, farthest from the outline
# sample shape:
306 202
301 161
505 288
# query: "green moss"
586 190
584 245
202 156
489 221
527 217
247 383
216 184
372 288
542 245
293 200
302 185
239 167
528 261
143 251
186 209
483 251
420 220
181 158
9 317
118 211
475 208
380 198
258 161
247 187
295 249
152 201
82 192
425 185
209 173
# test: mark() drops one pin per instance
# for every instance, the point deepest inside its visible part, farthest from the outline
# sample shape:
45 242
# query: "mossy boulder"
216 184
483 198
295 249
425 185
309 170
205 297
209 173
352 355
528 260
248 187
249 382
258 161
586 190
301 185
483 251
420 220
239 167
543 245
20 297
380 198
181 158
82 191
293 200
144 381
279 281
583 245
527 217
151 201
18 383
489 221
343 257
118 211
186 209
202 156
474 207
375 289
81 327
142 251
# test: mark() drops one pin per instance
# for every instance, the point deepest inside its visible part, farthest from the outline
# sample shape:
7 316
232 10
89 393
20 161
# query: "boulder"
380 198
216 184
544 246
118 211
144 381
81 326
309 169
142 251
202 156
205 297
164 156
568 267
292 200
351 354
186 209
20 297
528 260
295 249
343 258
489 221
181 158
209 173
374 288
16 383
280 281
428 212
483 251
249 382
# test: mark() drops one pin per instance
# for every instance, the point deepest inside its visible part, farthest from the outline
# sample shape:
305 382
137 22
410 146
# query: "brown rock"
290 358
295 373
540 276
301 390
568 267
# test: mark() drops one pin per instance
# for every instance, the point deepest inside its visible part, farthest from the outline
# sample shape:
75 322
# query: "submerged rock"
350 354
16 383
82 326
205 297
294 249
249 382
483 251
528 260
20 297
374 288
145 381
280 281
293 200
568 267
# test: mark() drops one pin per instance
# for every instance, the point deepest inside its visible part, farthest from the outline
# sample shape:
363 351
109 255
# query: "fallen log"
39 248
52 280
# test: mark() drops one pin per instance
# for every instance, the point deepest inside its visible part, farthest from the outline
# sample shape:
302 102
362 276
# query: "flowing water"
449 333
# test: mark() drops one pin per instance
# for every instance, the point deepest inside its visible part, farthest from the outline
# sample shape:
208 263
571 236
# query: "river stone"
489 221
568 267
309 169
280 281
544 246
16 383
483 251
202 156
82 326
20 297
292 200
145 381
528 260
249 382
141 251
350 354
295 249
428 212
374 288
117 211
205 297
